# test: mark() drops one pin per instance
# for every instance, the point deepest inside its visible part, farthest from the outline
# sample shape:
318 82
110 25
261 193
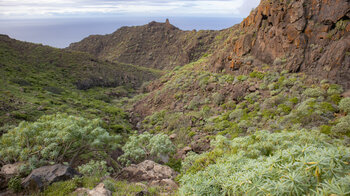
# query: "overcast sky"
10 9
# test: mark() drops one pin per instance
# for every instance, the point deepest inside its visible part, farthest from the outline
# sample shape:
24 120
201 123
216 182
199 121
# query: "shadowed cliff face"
155 45
297 35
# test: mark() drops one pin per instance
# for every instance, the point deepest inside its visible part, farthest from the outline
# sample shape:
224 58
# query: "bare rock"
181 154
173 136
7 172
147 171
11 169
99 190
252 89
44 176
346 94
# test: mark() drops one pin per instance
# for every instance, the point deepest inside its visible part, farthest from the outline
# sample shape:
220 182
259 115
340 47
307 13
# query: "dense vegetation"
287 163
55 138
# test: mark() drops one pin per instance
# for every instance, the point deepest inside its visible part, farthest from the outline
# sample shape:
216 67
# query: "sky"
10 9
58 23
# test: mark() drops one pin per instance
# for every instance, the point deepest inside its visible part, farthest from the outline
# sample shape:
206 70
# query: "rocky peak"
156 45
297 35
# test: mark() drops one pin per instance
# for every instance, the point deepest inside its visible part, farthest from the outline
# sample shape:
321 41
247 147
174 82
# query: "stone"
7 172
11 169
252 89
346 94
147 171
169 184
44 176
173 136
99 190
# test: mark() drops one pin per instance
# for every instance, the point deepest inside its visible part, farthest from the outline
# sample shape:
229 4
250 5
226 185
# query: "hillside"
37 80
155 45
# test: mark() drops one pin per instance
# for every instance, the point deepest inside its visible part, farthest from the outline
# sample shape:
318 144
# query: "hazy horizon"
60 33
60 22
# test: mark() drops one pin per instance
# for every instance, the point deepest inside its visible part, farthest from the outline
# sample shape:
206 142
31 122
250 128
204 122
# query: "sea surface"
61 32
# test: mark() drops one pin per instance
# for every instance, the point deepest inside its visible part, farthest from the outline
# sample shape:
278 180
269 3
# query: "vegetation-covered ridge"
155 45
37 80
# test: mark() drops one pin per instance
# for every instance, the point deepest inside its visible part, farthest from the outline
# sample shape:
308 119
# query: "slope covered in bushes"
288 163
37 80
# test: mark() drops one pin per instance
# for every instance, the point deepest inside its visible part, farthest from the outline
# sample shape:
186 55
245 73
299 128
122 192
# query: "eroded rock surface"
44 176
151 172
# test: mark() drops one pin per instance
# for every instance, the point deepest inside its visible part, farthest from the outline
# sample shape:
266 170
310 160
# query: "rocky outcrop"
155 45
151 172
99 190
44 176
7 172
306 36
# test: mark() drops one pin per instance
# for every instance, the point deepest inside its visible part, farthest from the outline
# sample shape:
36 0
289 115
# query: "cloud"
47 8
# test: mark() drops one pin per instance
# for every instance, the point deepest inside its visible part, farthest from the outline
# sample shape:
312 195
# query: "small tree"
55 138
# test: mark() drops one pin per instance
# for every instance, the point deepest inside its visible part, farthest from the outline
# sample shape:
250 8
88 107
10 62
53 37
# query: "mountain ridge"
155 45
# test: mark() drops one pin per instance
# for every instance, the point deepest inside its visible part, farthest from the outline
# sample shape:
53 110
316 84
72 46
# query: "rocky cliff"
299 36
155 45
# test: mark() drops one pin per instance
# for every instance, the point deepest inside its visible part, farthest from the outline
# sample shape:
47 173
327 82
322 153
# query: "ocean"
61 32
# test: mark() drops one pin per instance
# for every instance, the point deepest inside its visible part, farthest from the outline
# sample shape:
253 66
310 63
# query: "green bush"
55 138
110 185
146 146
287 163
334 89
218 98
344 105
256 74
15 184
95 168
343 126
313 92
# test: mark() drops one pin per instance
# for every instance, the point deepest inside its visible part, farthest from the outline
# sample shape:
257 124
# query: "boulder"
168 184
7 172
181 154
11 170
173 136
147 171
99 190
44 176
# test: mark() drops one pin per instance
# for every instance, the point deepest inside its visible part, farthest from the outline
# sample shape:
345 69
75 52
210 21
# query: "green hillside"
37 80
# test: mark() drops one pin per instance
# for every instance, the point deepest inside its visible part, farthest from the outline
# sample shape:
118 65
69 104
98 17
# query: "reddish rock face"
312 36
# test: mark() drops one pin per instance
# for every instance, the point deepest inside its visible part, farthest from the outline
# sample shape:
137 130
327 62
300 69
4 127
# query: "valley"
260 108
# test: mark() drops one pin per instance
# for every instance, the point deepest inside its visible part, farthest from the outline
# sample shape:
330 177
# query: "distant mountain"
155 45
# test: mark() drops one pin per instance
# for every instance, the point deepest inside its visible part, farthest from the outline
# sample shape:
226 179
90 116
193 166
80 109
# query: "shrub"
334 89
313 92
286 163
110 185
146 146
242 78
343 126
344 105
218 98
15 184
256 74
55 138
95 168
